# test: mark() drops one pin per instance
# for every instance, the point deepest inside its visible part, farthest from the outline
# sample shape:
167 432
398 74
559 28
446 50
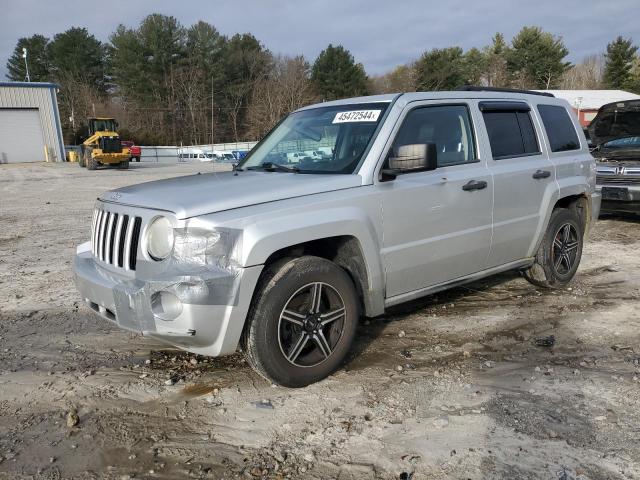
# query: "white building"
586 103
30 128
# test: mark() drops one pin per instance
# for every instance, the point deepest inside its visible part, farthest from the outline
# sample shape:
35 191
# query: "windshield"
626 142
320 140
104 125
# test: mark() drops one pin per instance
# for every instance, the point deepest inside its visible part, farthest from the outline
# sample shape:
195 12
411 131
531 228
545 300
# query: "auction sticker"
357 116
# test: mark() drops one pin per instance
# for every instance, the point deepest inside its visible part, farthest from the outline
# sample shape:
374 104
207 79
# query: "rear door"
436 224
570 155
523 175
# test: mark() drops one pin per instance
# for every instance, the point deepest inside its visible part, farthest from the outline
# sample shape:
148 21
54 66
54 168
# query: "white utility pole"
26 65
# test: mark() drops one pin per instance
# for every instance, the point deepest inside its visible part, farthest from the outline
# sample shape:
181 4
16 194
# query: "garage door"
21 138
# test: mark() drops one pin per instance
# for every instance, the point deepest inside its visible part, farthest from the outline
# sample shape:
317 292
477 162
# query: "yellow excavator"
103 146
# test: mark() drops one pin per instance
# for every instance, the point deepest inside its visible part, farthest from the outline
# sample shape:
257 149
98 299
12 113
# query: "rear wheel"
302 321
560 252
137 159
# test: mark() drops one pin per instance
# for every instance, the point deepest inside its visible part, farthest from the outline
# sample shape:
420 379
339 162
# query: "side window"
559 127
511 133
447 126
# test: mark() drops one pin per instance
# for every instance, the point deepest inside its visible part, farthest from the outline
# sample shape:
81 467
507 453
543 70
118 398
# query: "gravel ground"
453 386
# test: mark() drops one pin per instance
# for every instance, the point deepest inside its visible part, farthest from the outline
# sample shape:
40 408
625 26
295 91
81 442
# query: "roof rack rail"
472 88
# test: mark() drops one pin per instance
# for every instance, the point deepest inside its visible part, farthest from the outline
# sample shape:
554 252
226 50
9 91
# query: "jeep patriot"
416 193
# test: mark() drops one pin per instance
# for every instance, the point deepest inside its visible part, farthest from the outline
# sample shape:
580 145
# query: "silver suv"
417 193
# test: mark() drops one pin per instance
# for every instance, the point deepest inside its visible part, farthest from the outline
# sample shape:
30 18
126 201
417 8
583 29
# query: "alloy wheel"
565 249
311 324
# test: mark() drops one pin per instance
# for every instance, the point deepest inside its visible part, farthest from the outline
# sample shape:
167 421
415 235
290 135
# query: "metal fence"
171 153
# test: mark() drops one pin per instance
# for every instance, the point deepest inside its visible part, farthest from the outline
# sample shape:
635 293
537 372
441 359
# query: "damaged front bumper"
207 311
620 197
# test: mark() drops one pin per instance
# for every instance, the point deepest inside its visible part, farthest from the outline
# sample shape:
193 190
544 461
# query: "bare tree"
400 79
79 100
193 97
287 87
586 75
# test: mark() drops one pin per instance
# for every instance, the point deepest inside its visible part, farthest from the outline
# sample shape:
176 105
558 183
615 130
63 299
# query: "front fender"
268 235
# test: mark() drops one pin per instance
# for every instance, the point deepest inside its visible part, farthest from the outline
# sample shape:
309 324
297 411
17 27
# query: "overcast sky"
380 33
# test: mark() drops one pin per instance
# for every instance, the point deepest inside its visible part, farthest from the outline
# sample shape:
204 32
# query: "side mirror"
387 175
416 157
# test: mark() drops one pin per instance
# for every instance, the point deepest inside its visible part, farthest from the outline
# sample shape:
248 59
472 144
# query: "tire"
92 164
124 165
81 162
558 257
137 159
290 349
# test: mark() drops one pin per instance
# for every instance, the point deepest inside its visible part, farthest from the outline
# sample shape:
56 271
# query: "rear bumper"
204 329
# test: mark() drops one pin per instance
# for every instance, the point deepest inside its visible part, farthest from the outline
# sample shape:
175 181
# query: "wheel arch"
351 244
581 204
567 198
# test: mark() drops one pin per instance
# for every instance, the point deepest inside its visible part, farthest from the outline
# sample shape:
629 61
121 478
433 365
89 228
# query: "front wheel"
560 252
302 321
90 162
123 165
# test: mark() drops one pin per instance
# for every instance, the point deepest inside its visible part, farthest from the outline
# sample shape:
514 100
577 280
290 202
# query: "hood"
200 194
615 120
617 155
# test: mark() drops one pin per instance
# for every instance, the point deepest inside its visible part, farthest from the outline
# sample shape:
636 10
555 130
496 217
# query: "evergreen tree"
246 61
536 59
441 69
336 74
634 78
474 64
496 74
618 63
37 56
77 54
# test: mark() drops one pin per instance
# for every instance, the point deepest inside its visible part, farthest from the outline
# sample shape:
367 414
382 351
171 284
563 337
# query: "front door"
436 224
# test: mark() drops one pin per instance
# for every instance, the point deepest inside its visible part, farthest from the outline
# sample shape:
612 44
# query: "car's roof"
440 95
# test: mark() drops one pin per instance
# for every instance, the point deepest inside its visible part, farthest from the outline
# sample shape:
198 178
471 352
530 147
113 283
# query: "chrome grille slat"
114 238
116 242
618 179
127 243
103 221
93 230
94 240
108 244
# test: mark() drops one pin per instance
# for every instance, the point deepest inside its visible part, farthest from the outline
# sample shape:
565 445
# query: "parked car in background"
134 150
615 132
422 192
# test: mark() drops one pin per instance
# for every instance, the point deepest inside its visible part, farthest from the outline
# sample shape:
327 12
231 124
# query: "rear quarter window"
559 127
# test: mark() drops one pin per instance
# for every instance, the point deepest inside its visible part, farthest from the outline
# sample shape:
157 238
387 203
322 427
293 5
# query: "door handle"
474 185
541 174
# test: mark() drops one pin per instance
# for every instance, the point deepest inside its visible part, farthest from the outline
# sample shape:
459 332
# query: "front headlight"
159 238
197 246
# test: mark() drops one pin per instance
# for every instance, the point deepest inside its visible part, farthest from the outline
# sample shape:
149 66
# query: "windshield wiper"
273 167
